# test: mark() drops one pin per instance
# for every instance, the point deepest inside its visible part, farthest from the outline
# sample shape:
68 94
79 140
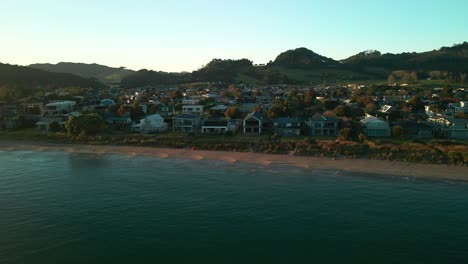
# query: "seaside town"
345 112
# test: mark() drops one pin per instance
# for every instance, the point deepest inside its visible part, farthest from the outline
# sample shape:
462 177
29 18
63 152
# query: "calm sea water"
70 208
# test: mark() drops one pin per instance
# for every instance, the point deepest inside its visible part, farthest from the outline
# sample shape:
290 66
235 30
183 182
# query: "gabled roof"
323 119
371 119
219 107
257 115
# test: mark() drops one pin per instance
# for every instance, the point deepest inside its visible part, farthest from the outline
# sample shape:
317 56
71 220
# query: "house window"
165 109
288 124
318 124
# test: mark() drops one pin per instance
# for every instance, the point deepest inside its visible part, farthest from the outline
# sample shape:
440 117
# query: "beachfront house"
186 123
375 127
287 126
413 129
253 123
192 109
118 123
7 118
150 124
450 127
215 125
322 126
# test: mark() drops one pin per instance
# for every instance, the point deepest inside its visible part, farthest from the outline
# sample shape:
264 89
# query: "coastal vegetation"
429 151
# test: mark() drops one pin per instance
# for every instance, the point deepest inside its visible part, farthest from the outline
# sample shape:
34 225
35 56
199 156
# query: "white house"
150 124
59 108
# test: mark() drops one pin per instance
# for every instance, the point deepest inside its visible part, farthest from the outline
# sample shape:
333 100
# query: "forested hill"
21 81
452 59
103 73
154 78
302 58
297 66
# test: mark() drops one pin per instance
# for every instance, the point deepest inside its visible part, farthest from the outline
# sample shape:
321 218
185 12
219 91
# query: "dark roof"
410 124
215 122
323 119
284 120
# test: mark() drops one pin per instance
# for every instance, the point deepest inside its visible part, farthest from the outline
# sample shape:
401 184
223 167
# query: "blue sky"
184 35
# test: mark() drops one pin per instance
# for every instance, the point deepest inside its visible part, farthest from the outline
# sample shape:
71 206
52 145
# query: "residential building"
287 126
192 109
215 125
58 108
186 123
118 123
374 127
413 129
219 108
165 110
7 119
450 127
322 126
253 123
247 107
190 101
150 124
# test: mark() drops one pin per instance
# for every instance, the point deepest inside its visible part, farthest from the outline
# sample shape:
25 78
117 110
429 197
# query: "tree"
87 123
330 104
233 91
310 97
176 94
413 77
232 112
136 113
371 108
461 115
121 111
462 78
397 131
54 126
447 92
343 110
416 104
345 134
275 112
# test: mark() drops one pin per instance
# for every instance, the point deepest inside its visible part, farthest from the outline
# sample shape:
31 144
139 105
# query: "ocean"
59 207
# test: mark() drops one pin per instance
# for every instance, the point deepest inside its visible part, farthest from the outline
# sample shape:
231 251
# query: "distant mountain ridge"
103 73
294 66
21 81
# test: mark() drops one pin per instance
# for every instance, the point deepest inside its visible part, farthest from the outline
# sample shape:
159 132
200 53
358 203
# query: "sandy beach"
380 167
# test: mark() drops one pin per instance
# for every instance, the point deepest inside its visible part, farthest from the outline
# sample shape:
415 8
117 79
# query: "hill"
103 73
144 78
302 58
296 66
20 81
452 59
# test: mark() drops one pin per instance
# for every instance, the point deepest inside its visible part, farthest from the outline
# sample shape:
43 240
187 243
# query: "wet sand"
389 168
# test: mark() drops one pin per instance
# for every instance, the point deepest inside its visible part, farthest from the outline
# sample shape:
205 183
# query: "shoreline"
379 167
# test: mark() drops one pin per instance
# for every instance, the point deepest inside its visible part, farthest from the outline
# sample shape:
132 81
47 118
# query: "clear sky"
174 35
